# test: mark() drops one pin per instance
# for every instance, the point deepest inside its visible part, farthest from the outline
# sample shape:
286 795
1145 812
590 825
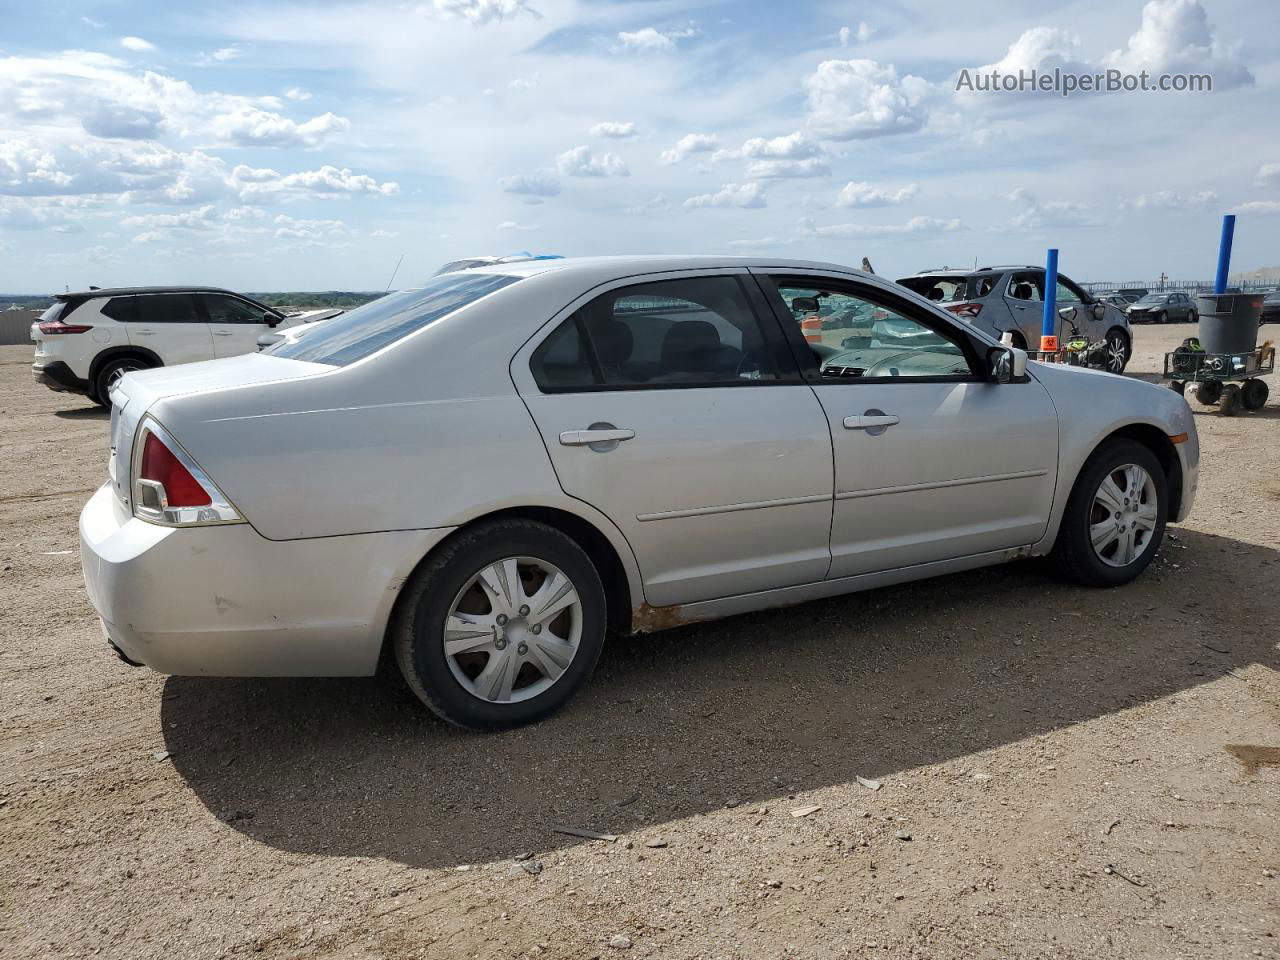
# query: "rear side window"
166 308
366 330
120 309
696 332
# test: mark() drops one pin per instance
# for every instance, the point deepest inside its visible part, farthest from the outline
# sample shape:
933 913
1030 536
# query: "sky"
284 145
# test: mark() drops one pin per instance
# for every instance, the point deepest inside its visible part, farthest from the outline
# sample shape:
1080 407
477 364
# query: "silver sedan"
486 475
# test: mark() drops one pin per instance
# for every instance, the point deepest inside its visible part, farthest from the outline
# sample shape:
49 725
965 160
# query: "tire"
1117 350
1162 317
1229 402
1209 392
451 684
1074 553
112 371
1193 317
1178 387
1254 393
1019 340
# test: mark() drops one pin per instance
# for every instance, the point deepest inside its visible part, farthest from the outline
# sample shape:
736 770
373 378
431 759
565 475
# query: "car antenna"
394 272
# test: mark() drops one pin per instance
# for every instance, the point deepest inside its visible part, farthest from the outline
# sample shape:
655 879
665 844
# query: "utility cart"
1230 381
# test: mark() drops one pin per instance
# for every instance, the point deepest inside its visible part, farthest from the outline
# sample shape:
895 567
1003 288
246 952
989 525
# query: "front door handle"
874 422
222 333
594 435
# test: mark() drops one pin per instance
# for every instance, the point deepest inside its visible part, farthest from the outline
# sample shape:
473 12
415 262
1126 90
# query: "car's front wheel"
1117 351
501 626
1115 518
1193 317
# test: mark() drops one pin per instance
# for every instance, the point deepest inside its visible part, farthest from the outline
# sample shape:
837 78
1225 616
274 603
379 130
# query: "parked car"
1164 308
1010 299
302 324
1270 308
485 474
87 341
469 263
1121 300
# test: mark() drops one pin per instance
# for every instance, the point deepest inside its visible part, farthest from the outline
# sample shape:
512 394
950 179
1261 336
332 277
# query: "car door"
933 460
669 406
1069 295
168 325
234 324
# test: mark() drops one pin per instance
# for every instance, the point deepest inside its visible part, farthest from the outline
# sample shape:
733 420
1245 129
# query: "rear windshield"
365 330
951 289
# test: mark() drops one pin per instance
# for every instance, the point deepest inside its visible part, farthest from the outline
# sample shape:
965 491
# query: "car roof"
125 291
624 266
962 272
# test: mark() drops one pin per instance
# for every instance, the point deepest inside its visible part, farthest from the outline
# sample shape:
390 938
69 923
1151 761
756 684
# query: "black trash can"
1229 321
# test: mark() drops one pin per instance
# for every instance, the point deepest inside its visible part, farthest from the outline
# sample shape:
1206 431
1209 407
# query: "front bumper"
225 601
56 375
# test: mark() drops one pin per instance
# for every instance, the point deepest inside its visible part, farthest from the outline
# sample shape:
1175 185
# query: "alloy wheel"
1117 353
117 374
513 630
1122 520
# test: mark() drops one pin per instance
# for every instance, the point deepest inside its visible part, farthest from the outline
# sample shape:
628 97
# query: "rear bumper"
225 601
56 375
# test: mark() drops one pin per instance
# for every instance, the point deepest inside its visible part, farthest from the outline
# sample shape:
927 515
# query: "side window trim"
769 282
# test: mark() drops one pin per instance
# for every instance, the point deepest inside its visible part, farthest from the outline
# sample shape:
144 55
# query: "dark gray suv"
1010 299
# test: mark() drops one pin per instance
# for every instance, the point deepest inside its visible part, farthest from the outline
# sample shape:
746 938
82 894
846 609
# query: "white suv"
87 341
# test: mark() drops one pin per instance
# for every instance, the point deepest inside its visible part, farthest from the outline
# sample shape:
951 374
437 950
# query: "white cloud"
383 234
794 146
514 226
1176 37
533 185
1051 214
251 127
614 131
479 12
746 195
327 182
89 21
862 35
787 169
651 40
297 93
221 55
1169 200
290 228
580 162
688 144
1043 49
914 225
854 99
136 44
857 193
1268 175
1264 207
118 121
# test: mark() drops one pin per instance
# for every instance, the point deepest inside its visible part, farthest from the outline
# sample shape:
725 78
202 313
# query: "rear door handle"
870 422
585 438
222 333
143 333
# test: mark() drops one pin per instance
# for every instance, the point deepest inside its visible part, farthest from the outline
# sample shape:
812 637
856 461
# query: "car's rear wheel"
1193 317
501 626
1115 518
1117 351
110 375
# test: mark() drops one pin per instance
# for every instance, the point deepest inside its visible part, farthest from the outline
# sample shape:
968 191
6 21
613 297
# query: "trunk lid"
137 392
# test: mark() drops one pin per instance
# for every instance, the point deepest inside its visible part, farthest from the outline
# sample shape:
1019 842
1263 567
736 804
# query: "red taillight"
53 327
965 309
159 465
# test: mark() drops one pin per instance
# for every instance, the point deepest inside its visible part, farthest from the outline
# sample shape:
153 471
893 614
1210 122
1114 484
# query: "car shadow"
746 710
84 413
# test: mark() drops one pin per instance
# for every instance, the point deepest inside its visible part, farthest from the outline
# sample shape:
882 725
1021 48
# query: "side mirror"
804 304
1099 311
271 320
1006 364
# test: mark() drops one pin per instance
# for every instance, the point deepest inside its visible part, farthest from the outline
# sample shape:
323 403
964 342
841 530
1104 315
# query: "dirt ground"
1063 772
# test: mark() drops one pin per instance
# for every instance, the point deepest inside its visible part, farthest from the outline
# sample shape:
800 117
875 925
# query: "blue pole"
1224 253
1049 324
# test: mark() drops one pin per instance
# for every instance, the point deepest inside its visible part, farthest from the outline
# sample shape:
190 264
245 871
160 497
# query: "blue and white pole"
1049 323
1224 253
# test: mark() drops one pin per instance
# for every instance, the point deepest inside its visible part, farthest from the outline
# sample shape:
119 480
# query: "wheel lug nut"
524 610
502 619
537 629
522 649
500 643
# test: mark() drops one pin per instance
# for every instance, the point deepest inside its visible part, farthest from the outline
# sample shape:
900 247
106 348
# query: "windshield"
365 330
1153 298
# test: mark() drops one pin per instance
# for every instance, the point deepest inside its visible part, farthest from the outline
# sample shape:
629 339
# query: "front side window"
699 331
166 308
856 339
222 309
1066 294
367 329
